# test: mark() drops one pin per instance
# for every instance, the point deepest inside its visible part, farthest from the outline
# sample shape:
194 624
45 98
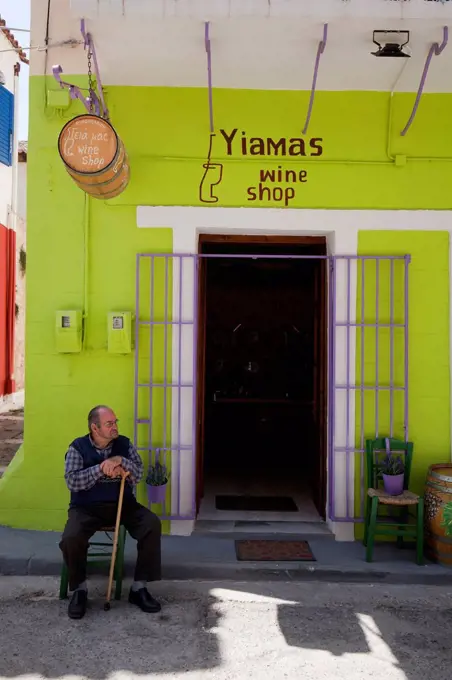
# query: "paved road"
230 632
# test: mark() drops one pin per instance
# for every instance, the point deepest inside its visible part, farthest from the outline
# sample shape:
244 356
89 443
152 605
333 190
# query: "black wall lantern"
390 49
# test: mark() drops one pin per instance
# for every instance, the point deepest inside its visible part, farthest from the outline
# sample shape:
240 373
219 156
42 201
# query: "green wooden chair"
101 555
395 518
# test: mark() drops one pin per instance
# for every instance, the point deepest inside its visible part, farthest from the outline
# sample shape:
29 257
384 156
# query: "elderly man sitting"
93 468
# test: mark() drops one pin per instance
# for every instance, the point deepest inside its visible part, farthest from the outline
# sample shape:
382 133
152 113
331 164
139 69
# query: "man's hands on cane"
112 467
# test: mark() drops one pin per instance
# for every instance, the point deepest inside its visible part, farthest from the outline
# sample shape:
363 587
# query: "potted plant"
157 481
393 473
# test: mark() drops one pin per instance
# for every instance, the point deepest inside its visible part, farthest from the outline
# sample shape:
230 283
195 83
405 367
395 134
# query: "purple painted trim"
377 354
435 49
331 383
165 354
151 351
195 366
162 323
320 51
165 384
391 349
369 387
347 406
137 316
179 374
406 404
209 72
363 326
370 325
281 257
89 42
74 91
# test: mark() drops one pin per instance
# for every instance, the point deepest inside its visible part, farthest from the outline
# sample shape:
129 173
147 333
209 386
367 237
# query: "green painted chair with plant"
388 502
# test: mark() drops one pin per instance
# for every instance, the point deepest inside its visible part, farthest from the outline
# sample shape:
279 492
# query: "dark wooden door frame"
273 239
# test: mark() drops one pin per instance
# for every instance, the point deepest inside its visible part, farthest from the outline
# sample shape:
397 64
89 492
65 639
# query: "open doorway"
262 352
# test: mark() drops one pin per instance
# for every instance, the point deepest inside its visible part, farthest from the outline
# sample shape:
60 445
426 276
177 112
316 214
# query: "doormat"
256 503
273 551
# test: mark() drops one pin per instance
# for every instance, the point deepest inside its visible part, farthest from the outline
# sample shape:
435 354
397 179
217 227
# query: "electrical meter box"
119 332
68 331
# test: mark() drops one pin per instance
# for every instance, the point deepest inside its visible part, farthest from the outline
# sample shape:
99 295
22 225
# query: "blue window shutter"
6 125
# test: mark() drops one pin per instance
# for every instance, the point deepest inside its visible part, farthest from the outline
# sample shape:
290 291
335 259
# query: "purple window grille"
166 299
367 369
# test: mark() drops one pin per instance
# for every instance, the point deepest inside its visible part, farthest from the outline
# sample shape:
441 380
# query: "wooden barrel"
438 513
94 156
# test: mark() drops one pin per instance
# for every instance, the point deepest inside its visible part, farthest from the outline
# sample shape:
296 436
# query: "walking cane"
115 541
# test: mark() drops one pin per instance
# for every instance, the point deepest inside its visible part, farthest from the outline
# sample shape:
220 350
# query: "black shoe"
144 600
77 605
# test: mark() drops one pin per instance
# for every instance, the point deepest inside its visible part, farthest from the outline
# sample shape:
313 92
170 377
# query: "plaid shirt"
79 479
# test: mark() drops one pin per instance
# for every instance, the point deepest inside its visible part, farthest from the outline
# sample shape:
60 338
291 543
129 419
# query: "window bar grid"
159 444
196 273
179 378
391 350
348 393
407 262
331 387
363 294
348 449
151 351
137 316
377 353
165 353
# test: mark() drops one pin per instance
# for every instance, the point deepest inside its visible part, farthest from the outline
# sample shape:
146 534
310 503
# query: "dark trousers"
84 521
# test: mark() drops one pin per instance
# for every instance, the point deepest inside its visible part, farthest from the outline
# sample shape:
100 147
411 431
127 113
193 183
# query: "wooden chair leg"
366 522
404 515
372 529
64 582
420 532
119 564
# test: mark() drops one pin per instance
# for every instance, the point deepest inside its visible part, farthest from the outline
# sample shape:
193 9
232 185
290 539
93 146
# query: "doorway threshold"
249 528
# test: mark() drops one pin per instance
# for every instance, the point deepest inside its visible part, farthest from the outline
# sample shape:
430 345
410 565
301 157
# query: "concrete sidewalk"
36 553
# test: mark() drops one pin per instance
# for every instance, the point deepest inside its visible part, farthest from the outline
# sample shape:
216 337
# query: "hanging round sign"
94 156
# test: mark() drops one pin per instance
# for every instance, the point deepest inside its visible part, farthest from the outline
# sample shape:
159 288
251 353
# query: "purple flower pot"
393 484
157 494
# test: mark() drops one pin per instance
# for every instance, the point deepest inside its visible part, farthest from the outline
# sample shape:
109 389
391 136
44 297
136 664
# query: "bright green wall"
166 135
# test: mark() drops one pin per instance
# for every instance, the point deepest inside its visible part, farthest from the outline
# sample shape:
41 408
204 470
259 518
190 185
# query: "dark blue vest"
105 490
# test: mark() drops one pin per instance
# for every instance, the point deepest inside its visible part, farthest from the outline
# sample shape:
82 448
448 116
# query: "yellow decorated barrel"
94 156
438 513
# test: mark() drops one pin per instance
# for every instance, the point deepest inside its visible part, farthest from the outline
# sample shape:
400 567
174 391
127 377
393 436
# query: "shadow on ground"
232 630
43 641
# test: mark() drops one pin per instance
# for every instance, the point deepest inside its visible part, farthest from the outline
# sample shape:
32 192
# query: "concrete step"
237 528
